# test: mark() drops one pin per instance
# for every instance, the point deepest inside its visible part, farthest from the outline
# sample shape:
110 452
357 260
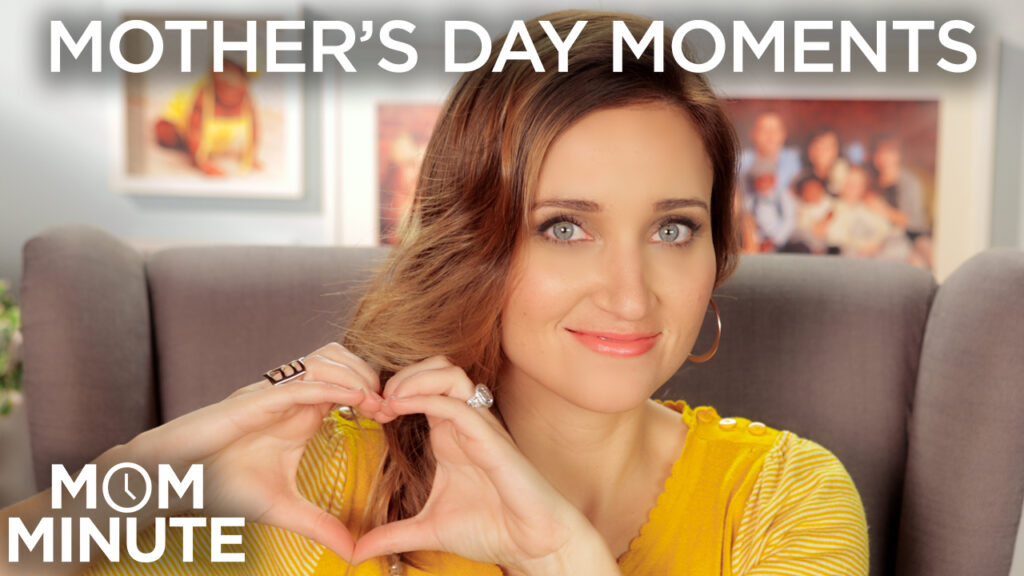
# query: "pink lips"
623 345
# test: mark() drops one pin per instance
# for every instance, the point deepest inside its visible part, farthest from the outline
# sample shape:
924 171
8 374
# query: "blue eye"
561 229
674 233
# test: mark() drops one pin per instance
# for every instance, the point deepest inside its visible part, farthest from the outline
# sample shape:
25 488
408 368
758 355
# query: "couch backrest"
222 316
828 348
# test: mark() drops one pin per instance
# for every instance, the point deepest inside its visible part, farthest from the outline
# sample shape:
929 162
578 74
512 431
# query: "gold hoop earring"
718 337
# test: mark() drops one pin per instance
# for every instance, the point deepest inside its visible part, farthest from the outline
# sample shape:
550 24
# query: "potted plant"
10 350
16 476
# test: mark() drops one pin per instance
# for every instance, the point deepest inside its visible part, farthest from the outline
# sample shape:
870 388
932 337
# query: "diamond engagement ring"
481 398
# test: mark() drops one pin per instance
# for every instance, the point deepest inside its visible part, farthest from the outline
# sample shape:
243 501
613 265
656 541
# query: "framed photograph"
226 133
846 177
402 134
381 129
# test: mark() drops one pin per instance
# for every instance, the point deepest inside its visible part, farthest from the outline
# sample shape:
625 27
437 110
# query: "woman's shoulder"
801 498
735 435
786 503
798 474
792 494
780 459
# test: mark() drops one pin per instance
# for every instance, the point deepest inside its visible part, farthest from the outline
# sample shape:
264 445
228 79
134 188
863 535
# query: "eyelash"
680 220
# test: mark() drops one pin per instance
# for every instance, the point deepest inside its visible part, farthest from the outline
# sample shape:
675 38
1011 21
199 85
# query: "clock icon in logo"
132 487
127 488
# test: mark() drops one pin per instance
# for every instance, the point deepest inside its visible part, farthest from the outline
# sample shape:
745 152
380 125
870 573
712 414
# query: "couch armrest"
89 378
965 466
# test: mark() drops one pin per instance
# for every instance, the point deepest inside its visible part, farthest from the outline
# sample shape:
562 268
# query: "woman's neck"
592 458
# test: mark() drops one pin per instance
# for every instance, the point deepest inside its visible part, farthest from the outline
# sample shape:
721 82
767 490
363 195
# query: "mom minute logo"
126 489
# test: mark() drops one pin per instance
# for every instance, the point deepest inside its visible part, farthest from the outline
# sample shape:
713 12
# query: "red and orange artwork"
402 134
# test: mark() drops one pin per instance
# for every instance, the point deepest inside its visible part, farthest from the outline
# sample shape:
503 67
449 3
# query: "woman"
565 237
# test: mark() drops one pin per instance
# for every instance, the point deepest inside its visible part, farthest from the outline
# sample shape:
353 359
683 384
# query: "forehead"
768 121
642 151
825 137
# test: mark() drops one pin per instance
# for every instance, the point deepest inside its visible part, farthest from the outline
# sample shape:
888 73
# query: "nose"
625 289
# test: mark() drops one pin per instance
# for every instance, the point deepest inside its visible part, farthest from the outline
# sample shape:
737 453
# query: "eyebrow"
589 206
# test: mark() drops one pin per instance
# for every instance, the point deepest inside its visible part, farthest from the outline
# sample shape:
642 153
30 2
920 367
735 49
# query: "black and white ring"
286 372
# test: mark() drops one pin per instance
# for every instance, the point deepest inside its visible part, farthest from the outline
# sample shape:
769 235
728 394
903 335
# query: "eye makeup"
544 228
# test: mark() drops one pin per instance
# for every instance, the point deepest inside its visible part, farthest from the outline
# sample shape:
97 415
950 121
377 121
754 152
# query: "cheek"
684 288
541 294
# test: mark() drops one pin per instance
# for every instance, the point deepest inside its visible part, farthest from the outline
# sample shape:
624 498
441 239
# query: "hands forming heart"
488 503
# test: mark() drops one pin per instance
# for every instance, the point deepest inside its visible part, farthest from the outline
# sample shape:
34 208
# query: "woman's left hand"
488 503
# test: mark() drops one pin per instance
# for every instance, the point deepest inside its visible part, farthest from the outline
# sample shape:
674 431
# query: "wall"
1007 205
55 160
54 155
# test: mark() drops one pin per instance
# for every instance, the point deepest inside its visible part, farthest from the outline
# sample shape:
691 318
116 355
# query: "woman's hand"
488 503
251 442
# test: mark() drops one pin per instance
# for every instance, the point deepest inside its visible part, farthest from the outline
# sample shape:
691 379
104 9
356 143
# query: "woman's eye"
564 231
673 233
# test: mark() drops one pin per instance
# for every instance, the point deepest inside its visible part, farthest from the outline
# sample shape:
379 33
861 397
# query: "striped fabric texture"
743 499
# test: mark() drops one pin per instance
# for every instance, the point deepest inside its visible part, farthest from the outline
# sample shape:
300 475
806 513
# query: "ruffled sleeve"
803 516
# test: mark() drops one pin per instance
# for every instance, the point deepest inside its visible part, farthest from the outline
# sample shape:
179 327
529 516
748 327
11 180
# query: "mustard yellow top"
742 500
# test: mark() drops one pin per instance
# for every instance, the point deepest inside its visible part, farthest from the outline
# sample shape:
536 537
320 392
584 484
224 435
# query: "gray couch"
917 388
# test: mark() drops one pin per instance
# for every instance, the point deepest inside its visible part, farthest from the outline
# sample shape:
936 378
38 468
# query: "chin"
613 391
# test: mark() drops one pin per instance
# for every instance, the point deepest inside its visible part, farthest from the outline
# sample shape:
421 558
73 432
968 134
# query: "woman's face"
611 285
823 150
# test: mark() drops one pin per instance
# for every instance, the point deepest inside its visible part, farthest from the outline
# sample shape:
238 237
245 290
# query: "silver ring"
481 398
286 372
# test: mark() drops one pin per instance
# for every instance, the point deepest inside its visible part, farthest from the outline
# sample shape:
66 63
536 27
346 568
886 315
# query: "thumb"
394 538
306 519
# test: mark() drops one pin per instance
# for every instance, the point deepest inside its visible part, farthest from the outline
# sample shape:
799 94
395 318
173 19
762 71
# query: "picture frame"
963 177
354 140
852 177
250 142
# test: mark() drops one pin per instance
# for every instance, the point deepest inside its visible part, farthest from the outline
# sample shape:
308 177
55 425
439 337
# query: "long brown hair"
443 286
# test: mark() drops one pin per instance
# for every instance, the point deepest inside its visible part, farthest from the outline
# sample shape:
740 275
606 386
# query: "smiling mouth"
621 345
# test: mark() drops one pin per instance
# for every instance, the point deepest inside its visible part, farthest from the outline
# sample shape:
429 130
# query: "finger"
323 369
334 362
396 537
432 363
434 376
229 420
254 387
217 426
487 446
384 415
479 434
307 392
446 380
306 519
338 353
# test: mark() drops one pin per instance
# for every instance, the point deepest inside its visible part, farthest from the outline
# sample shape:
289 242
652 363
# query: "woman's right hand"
251 442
